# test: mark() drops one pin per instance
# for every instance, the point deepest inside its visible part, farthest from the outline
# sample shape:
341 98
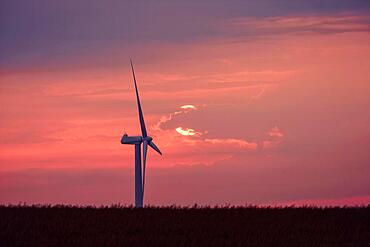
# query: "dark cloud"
40 32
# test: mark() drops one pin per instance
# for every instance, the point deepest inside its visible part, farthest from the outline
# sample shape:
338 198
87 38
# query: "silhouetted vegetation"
174 226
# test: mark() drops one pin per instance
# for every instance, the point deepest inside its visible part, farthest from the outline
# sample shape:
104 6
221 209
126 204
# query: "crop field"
175 226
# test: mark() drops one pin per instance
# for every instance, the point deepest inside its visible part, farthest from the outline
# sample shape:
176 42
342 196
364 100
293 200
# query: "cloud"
189 137
164 119
235 142
276 136
275 132
202 139
188 107
278 25
187 131
35 34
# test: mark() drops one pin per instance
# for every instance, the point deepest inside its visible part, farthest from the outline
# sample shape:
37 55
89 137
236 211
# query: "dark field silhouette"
172 226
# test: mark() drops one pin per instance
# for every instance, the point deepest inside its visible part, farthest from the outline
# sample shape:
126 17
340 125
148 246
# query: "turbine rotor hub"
148 138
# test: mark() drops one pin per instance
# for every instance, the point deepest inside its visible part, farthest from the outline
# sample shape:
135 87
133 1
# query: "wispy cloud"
325 24
275 138
184 109
191 137
240 143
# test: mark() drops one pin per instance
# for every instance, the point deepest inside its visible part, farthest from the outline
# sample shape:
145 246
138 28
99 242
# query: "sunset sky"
264 102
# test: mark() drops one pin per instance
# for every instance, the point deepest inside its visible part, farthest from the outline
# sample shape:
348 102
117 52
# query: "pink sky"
277 111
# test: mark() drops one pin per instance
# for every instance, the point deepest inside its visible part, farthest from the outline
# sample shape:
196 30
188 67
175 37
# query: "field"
194 226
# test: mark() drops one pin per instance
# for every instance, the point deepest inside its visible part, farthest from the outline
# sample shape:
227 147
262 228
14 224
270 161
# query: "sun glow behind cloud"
187 131
188 107
209 141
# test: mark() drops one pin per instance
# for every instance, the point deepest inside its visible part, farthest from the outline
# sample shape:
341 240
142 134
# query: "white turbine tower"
137 141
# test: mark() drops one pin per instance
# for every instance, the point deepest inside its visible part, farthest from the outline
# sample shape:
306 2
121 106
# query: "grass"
60 225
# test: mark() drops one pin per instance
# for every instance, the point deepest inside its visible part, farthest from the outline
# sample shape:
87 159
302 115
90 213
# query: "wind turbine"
137 141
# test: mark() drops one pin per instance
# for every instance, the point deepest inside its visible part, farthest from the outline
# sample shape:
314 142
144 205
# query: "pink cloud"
275 132
229 141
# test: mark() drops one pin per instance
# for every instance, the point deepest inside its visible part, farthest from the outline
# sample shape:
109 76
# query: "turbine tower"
137 141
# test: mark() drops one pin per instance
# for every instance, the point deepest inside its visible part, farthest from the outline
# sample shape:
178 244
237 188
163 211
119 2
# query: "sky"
251 102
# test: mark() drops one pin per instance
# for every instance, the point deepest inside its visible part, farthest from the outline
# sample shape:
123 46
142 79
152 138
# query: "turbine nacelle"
134 139
131 139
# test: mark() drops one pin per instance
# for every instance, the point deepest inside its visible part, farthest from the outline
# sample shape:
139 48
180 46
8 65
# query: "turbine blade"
141 117
145 149
152 145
